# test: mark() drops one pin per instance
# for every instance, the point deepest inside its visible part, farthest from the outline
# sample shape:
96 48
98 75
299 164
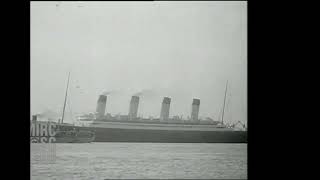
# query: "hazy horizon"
182 50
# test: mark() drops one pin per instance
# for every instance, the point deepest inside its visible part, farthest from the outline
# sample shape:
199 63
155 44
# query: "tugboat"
74 136
67 135
64 132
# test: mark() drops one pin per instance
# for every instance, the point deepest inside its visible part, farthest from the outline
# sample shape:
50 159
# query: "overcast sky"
182 50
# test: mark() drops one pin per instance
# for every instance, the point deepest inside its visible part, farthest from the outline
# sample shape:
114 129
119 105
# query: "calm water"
138 160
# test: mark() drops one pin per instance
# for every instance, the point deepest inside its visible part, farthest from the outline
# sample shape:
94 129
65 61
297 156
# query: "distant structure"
133 109
34 117
195 109
101 106
165 108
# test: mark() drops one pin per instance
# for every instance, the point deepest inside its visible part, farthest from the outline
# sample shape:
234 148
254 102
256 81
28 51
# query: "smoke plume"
145 92
108 92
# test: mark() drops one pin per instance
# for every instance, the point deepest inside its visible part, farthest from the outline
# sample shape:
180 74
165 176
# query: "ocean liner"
131 128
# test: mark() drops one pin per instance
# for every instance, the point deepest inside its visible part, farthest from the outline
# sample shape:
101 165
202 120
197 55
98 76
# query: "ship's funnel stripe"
134 99
196 102
102 98
166 100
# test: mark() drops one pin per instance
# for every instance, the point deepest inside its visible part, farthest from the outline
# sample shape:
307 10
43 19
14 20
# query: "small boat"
72 136
64 132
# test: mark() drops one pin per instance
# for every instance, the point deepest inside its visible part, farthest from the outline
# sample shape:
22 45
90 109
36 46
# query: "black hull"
167 136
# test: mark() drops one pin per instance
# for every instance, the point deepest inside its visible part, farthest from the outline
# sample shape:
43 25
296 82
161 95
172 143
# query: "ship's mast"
224 101
65 98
